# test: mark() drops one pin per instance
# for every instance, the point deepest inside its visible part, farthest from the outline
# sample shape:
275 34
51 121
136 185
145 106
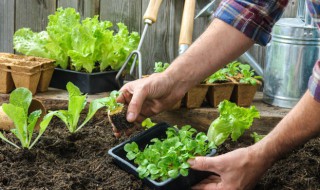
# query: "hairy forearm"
301 124
217 46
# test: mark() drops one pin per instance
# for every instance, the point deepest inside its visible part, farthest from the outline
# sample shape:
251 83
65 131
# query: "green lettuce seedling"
147 123
159 67
117 112
17 111
248 75
219 76
233 68
167 158
232 121
77 102
256 137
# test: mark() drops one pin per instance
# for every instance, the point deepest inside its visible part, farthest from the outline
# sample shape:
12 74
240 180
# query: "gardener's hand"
149 96
239 169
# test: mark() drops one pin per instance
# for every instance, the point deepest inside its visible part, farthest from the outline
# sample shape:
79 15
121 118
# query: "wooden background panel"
84 7
6 25
126 11
156 44
33 14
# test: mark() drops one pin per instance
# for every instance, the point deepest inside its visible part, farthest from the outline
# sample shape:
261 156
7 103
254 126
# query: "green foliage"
17 111
233 68
111 101
77 102
219 76
167 158
248 75
147 123
159 67
232 121
85 43
256 137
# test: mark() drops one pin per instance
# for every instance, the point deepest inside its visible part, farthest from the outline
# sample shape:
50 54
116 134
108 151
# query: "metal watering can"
290 57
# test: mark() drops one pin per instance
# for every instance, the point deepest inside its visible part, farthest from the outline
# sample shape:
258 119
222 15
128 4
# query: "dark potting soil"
80 161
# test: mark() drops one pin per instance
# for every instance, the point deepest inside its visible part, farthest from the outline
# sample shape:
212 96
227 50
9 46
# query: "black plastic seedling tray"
158 131
89 83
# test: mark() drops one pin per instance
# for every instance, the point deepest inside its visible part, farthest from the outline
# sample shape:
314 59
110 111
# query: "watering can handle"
187 22
152 10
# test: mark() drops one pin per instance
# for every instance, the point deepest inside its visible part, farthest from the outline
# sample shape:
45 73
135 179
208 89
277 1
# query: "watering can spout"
247 58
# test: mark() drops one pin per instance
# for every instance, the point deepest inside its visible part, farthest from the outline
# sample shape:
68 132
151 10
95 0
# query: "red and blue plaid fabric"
255 18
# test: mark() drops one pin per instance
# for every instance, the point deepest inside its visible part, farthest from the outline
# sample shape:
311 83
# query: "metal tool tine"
133 64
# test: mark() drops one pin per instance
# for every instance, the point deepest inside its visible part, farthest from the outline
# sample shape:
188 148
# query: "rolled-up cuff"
254 20
314 82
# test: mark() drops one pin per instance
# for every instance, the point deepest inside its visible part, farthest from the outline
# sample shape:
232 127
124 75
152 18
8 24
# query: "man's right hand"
149 96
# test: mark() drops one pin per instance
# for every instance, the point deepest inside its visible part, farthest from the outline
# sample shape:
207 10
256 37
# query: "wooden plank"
6 25
126 11
84 7
161 39
33 14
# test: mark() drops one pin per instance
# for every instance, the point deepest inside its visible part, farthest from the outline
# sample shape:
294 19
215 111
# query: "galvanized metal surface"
291 55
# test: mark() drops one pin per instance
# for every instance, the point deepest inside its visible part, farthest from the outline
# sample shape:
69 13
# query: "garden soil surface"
81 161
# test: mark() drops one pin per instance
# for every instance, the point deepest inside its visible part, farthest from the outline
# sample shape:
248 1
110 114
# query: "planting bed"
80 161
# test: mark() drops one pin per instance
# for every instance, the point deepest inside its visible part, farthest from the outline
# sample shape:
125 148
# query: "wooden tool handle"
187 22
152 10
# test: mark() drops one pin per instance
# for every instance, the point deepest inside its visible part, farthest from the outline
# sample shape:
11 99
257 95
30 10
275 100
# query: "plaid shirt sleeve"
255 18
314 81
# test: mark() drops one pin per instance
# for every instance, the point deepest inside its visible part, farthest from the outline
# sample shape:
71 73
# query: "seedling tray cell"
158 131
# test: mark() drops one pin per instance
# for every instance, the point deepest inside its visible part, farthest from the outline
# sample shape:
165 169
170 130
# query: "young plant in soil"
117 112
248 75
17 110
256 137
159 67
167 158
147 123
219 76
77 102
232 121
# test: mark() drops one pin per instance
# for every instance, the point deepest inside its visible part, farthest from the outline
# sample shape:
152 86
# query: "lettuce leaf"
123 44
60 28
88 45
233 120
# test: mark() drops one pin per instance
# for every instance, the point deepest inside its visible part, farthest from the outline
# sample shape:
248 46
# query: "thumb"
204 164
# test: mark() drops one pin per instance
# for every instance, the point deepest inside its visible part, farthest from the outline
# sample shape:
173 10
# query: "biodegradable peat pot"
6 81
47 68
243 94
157 131
195 96
89 83
6 123
27 77
217 92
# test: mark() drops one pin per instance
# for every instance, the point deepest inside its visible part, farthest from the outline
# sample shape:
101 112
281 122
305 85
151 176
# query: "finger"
124 97
206 186
140 118
209 183
205 164
117 135
135 104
